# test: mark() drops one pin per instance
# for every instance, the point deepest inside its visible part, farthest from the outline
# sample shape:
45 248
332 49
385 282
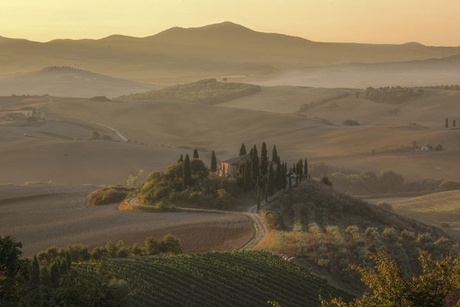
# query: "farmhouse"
231 167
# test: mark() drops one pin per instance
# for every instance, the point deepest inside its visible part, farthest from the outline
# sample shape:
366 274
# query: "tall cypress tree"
447 122
213 167
242 150
299 169
305 171
263 160
187 172
284 175
279 176
181 159
271 180
275 157
254 163
247 180
195 154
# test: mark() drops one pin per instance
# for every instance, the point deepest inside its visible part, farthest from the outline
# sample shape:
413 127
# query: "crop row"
218 279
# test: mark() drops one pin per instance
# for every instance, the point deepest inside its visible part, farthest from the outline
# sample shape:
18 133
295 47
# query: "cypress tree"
271 180
454 123
447 122
263 160
279 177
247 180
254 164
275 157
187 172
213 167
299 169
181 159
242 150
195 154
284 175
305 171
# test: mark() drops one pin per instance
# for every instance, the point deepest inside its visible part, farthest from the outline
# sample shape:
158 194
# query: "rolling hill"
225 49
68 82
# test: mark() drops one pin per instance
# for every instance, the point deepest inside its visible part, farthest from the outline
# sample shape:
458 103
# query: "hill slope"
216 50
68 82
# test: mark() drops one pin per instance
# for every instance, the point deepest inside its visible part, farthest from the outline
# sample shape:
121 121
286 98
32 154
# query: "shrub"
350 122
108 195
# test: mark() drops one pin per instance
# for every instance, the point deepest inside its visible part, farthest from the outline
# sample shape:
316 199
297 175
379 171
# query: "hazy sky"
431 22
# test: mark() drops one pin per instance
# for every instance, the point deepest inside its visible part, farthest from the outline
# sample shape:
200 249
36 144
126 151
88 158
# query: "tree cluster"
207 91
392 95
188 181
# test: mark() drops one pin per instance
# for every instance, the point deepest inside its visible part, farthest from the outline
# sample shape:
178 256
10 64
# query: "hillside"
208 91
218 279
329 231
440 209
224 49
68 82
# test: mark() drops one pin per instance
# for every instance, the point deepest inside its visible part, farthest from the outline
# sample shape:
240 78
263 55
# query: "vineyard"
243 278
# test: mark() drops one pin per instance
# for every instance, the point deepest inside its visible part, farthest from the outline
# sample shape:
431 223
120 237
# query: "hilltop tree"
242 150
187 172
454 123
254 163
275 157
181 159
247 179
299 169
271 180
263 160
195 154
305 171
213 162
447 122
279 176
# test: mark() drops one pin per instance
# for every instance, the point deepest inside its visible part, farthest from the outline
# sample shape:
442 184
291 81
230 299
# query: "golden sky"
430 22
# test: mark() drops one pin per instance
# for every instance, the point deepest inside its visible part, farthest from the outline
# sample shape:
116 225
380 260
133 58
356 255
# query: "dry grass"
40 217
434 209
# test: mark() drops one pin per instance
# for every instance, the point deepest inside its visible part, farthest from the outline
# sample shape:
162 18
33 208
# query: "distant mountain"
184 54
68 82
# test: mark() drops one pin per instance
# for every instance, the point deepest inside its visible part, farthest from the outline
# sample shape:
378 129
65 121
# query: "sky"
430 22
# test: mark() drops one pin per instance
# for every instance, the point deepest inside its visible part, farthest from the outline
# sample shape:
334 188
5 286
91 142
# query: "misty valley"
221 166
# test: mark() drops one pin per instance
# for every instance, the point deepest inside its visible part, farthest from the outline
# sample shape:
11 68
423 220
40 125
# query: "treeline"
368 183
392 95
49 279
189 182
332 230
208 91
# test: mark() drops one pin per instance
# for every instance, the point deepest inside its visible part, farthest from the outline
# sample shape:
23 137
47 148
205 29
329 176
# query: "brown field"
43 216
57 150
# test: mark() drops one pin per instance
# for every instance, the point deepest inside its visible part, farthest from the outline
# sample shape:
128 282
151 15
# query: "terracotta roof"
238 160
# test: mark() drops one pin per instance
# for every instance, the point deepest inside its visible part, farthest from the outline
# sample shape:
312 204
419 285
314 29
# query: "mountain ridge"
188 54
